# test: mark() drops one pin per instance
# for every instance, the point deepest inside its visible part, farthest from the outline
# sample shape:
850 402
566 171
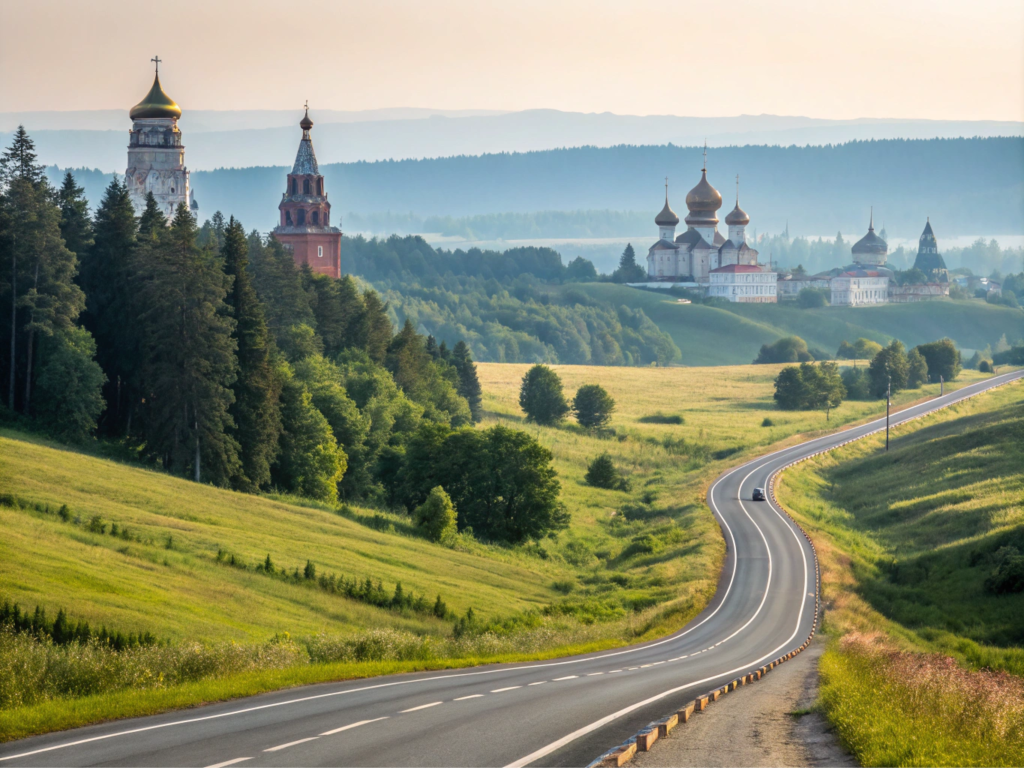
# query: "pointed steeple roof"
305 158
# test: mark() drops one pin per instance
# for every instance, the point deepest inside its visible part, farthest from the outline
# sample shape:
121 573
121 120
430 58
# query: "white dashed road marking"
473 696
510 688
226 763
351 725
421 706
291 744
568 677
539 683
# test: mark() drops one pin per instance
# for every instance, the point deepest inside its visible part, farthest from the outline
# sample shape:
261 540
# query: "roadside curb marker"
622 754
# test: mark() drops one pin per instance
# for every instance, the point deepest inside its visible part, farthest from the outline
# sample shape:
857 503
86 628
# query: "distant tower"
737 220
929 260
156 156
305 226
870 249
666 220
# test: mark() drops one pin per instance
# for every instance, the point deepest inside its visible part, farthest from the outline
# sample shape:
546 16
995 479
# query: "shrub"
767 422
662 418
812 298
564 586
540 396
1008 577
601 474
985 366
436 516
791 349
593 406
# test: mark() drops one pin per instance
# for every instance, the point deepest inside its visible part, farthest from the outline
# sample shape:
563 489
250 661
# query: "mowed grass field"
733 334
907 542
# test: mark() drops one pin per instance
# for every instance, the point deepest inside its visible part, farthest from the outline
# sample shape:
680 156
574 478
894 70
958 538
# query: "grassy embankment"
733 334
925 663
616 577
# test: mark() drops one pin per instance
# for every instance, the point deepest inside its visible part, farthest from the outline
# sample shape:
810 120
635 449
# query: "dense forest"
491 300
968 187
204 351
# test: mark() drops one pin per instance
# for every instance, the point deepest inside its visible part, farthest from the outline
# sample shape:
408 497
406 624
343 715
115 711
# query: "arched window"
305 186
288 218
316 218
320 186
295 186
301 214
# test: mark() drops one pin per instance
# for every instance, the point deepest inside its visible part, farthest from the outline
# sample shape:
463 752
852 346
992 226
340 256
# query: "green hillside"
733 334
920 550
183 591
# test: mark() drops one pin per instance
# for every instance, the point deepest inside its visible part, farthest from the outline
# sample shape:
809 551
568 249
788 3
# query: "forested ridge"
968 186
205 351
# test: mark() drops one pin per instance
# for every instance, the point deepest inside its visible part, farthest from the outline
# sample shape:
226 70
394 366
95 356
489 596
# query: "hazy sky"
949 59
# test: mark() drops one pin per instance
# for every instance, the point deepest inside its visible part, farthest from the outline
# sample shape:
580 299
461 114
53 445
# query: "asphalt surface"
560 712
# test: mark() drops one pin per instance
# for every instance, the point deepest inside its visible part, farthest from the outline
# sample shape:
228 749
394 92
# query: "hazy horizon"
874 59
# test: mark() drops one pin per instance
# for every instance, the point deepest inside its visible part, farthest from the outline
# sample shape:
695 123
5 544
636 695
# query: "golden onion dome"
704 197
156 104
737 217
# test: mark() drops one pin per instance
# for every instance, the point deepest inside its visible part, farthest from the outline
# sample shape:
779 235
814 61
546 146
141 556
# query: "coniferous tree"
152 222
108 276
279 285
629 271
188 355
469 384
337 310
376 327
75 224
257 409
19 160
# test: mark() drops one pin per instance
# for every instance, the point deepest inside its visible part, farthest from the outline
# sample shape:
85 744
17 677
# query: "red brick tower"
305 226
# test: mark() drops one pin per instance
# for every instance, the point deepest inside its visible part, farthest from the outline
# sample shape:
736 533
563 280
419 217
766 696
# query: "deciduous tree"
540 396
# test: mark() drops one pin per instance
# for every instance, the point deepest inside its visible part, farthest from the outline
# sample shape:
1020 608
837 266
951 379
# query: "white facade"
857 290
156 163
744 284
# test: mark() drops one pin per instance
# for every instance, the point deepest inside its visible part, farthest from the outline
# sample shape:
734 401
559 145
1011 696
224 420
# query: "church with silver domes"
700 249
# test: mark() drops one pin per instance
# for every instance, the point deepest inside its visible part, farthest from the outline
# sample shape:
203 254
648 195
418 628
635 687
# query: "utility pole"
888 392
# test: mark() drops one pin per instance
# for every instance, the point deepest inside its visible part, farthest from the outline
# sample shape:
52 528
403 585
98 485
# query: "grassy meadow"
634 564
926 663
733 334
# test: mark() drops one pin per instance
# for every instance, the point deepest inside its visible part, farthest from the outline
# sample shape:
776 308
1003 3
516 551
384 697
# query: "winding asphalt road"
562 712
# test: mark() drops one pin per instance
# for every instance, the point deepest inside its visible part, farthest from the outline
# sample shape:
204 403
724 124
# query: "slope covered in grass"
732 334
912 544
167 579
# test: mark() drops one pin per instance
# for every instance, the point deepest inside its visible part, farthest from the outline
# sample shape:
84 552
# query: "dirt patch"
764 724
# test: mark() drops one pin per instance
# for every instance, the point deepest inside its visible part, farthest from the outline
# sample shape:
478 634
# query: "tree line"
205 351
823 386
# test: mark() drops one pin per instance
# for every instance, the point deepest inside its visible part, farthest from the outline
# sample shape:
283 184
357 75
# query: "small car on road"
758 494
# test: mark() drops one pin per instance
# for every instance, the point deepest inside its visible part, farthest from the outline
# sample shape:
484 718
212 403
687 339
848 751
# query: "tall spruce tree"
152 222
257 407
188 355
375 329
19 160
279 285
469 383
108 278
75 224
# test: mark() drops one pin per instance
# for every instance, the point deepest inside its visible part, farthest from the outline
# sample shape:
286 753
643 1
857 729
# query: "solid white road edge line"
352 725
951 399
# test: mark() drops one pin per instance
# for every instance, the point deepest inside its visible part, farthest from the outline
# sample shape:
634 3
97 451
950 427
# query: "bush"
540 396
436 516
601 474
593 406
767 422
813 298
791 349
662 418
1008 577
564 586
985 366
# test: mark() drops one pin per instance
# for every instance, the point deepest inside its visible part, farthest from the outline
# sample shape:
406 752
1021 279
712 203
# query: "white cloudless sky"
942 59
